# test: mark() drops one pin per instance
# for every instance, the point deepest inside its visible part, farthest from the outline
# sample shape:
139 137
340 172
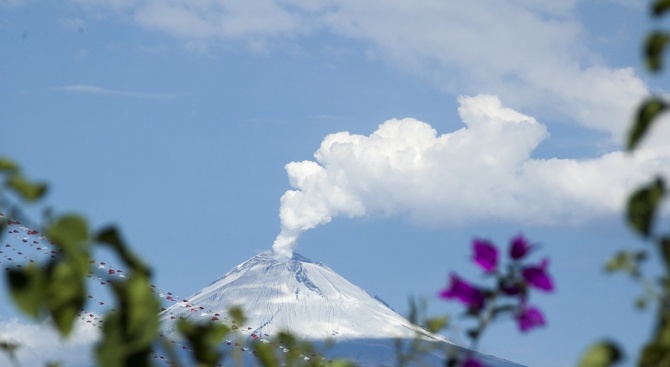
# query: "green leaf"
140 307
112 238
59 289
237 315
620 262
603 354
436 324
205 340
659 7
29 191
641 303
657 351
70 232
342 363
655 355
290 342
7 164
112 350
130 330
627 262
654 48
266 355
642 206
665 249
640 256
646 114
66 293
27 288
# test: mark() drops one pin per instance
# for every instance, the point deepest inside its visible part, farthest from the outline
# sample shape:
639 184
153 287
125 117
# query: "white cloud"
529 52
635 4
110 4
12 3
549 7
482 172
219 19
39 344
81 88
72 23
530 55
91 89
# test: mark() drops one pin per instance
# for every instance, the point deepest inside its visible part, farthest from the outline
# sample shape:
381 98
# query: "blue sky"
175 120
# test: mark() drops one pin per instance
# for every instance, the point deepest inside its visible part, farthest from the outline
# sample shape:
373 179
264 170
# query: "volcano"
310 300
298 295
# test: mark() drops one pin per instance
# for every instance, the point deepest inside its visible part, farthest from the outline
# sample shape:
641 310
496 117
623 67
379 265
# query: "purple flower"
537 276
463 291
519 247
471 362
486 254
529 318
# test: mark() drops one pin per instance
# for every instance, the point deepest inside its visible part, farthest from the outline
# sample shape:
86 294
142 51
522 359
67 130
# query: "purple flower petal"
537 276
463 291
529 318
471 362
486 254
519 247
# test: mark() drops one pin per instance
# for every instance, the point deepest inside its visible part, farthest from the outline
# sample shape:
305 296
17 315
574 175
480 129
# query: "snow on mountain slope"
298 295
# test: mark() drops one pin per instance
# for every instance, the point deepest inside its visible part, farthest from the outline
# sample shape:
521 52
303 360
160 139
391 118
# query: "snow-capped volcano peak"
307 298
